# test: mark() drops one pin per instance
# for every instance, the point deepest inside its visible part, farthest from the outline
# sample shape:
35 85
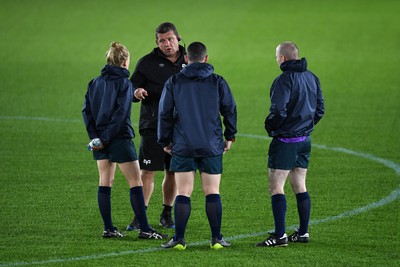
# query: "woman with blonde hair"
106 114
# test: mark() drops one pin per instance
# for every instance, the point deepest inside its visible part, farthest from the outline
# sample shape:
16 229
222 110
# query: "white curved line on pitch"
384 201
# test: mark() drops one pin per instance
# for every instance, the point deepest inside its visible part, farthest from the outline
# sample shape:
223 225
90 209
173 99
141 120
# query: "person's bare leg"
169 188
169 194
297 178
148 185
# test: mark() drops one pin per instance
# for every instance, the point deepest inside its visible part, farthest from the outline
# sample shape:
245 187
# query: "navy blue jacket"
107 107
151 73
191 104
297 103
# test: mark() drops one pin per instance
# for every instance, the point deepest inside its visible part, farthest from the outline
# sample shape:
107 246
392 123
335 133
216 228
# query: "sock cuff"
182 199
136 190
167 207
213 198
104 190
302 196
278 197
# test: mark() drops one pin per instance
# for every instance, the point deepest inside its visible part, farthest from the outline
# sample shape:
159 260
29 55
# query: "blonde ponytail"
117 54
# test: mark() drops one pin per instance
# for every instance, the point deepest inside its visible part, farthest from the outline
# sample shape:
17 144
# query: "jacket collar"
299 65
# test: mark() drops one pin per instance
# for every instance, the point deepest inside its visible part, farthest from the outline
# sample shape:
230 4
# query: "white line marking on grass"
384 201
390 164
24 118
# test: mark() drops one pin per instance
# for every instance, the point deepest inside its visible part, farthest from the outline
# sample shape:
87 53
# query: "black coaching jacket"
151 72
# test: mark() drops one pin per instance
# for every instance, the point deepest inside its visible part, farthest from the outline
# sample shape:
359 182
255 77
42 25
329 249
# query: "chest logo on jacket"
161 65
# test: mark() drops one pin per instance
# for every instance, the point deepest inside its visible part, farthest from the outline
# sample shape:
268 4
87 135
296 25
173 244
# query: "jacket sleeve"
280 95
90 123
137 79
165 115
320 110
228 110
145 76
122 110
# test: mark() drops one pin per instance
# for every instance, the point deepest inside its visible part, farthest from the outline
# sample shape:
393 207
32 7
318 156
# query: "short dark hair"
166 27
196 52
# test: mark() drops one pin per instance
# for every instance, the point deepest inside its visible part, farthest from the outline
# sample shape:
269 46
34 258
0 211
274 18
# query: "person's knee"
134 180
105 183
184 189
298 180
147 175
184 192
299 188
277 180
274 190
211 189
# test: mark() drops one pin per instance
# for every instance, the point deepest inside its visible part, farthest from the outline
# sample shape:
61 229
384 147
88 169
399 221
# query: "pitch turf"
49 50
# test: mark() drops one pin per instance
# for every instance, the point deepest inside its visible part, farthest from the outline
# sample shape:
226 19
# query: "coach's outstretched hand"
168 149
140 93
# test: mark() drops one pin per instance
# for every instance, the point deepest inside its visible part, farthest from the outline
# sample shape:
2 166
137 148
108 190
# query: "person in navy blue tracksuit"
190 128
297 105
106 114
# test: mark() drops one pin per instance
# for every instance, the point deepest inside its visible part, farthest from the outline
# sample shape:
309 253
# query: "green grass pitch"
49 51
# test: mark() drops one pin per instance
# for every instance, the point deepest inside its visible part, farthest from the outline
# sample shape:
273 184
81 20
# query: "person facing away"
190 128
297 105
106 114
150 74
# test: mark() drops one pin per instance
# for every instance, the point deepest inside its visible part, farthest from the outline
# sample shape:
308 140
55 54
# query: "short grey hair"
289 50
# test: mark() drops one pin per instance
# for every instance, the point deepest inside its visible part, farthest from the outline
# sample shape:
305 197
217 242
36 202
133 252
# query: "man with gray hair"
297 105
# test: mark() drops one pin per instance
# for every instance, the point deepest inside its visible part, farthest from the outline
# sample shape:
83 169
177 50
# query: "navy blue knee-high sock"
214 214
104 202
182 209
279 212
137 203
304 208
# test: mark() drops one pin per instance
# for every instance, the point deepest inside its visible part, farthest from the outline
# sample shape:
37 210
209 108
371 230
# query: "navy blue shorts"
210 165
119 151
152 156
287 156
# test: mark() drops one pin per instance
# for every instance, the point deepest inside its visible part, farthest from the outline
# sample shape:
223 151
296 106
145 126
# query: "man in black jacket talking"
148 79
